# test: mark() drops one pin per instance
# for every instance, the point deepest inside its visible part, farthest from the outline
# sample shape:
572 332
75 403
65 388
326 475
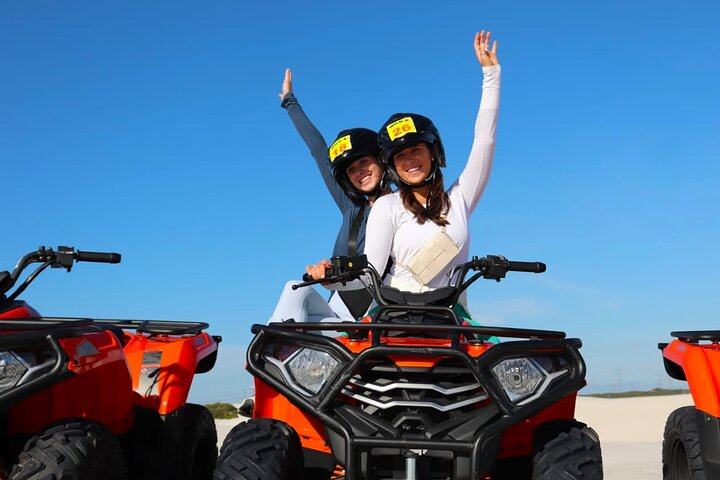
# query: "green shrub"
655 392
222 410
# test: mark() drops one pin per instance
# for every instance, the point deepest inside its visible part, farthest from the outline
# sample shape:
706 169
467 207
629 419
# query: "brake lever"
308 283
342 277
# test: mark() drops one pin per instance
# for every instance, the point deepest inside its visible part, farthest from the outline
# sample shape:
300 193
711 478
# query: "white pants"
306 305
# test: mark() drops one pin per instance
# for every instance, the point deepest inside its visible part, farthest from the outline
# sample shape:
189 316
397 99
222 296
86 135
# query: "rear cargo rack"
157 327
42 323
698 335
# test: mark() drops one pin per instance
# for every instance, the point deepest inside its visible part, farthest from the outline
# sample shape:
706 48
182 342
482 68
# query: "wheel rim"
679 466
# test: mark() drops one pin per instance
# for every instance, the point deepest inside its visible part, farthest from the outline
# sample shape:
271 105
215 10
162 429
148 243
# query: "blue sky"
154 130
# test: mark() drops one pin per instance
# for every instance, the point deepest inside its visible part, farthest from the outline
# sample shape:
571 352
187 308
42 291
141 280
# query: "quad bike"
691 442
411 393
84 399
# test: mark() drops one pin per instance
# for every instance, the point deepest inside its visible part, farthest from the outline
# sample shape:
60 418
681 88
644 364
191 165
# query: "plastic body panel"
163 367
701 364
99 388
271 404
19 309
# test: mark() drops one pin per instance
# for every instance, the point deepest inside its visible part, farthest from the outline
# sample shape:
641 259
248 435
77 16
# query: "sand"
630 429
631 432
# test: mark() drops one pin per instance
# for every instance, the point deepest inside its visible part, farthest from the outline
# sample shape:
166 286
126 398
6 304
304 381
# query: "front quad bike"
412 393
691 443
84 399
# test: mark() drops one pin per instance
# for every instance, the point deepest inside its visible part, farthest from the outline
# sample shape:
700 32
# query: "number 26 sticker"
401 127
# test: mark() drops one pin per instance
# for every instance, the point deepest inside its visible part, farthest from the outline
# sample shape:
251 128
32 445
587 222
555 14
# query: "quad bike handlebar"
495 267
491 267
64 257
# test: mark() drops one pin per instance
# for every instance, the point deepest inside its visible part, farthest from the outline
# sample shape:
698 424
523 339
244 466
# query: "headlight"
525 379
12 370
311 369
305 369
22 365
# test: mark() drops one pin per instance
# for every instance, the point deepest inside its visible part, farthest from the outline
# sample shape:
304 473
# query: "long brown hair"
438 202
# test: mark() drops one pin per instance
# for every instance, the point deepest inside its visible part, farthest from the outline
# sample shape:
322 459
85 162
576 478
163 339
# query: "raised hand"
287 84
485 56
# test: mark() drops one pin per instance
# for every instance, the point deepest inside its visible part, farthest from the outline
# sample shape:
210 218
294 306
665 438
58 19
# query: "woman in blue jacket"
355 178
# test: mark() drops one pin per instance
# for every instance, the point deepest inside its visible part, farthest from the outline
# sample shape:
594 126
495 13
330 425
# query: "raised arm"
475 176
313 139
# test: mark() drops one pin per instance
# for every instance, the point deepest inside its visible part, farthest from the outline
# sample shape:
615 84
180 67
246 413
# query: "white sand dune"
630 429
631 432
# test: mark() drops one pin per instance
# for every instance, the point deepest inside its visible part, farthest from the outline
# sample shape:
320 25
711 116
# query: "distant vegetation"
222 410
227 410
655 392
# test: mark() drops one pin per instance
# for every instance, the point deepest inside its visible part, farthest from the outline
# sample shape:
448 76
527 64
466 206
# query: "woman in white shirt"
421 216
422 226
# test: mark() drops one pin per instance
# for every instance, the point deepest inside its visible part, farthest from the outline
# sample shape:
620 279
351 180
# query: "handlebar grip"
532 267
98 257
309 278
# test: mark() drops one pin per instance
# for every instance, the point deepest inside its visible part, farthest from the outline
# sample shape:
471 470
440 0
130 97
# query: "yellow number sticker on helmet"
401 127
340 145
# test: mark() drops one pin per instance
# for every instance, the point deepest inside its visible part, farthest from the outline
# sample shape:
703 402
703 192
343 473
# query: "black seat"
441 297
394 313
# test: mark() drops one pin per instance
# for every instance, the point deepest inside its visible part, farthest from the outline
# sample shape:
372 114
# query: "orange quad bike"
86 399
412 392
691 442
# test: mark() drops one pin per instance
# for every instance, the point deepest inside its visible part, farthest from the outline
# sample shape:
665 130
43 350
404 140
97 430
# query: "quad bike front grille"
413 399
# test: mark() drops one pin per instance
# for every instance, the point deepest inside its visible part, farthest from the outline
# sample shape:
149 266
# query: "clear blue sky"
153 129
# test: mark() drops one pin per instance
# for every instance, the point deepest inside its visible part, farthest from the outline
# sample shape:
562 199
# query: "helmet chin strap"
380 186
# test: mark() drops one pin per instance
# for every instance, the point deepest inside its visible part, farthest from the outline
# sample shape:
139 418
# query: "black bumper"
472 439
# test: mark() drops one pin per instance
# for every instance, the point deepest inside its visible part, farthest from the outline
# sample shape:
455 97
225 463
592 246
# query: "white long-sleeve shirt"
394 232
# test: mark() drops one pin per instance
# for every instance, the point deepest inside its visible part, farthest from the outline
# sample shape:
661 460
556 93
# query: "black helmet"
402 130
350 145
